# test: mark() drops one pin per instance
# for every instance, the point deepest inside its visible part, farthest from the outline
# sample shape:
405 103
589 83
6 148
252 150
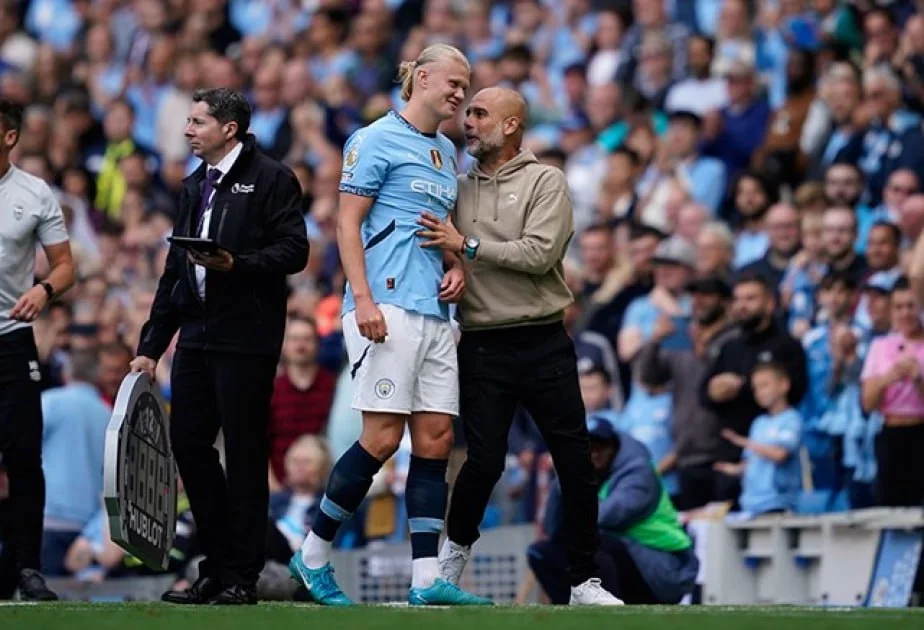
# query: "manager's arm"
287 251
548 229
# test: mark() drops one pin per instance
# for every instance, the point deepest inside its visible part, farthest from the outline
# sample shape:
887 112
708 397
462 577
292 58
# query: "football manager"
228 303
516 221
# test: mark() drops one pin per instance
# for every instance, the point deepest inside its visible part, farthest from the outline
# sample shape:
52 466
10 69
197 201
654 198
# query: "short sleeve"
365 165
51 229
788 432
636 314
873 366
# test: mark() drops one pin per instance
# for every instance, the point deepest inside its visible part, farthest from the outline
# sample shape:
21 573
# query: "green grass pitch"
83 616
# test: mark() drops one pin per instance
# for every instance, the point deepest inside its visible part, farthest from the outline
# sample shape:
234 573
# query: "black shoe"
236 595
201 592
32 587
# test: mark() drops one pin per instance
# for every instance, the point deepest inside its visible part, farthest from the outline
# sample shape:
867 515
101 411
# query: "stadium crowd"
745 177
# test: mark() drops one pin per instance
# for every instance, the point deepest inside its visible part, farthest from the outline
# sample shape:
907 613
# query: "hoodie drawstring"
496 196
477 199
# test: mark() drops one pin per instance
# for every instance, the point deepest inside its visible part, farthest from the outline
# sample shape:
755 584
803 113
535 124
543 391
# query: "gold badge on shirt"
351 157
436 158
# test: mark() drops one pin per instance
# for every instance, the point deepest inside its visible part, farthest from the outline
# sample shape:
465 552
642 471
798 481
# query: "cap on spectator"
880 282
710 285
590 360
685 115
641 230
675 251
600 428
738 63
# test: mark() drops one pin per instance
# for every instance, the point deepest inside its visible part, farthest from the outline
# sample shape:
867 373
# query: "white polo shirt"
29 215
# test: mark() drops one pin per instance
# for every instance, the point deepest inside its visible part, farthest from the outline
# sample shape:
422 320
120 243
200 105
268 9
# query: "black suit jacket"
256 214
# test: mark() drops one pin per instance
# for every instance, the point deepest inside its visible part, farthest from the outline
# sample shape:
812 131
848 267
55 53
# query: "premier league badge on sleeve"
351 157
139 481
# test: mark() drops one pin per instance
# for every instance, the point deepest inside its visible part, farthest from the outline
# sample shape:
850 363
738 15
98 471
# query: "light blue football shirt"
768 485
649 419
407 172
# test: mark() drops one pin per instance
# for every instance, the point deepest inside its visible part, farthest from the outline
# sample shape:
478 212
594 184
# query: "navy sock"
426 493
347 487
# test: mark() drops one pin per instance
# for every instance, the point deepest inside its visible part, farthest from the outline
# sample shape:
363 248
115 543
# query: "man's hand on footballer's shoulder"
442 234
221 260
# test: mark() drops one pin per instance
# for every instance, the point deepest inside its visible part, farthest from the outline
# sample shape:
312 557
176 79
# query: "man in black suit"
230 310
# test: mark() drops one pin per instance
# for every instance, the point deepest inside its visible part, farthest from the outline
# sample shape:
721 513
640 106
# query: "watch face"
471 241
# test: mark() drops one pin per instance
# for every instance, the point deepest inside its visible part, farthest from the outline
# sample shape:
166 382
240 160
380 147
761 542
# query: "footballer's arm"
353 210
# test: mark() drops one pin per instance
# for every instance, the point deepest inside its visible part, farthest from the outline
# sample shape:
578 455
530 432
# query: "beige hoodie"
523 216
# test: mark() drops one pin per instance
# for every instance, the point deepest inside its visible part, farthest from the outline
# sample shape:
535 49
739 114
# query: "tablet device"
203 245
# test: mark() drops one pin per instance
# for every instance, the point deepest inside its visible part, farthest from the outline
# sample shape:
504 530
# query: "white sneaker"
453 559
591 593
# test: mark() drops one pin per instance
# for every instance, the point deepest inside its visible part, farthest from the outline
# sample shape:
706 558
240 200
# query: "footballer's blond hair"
430 54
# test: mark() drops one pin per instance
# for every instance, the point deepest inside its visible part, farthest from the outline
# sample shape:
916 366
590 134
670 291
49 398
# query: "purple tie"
211 178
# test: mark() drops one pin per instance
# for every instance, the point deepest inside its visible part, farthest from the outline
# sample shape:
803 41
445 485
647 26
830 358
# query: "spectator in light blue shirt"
648 417
675 261
770 465
73 441
704 177
837 295
752 196
55 22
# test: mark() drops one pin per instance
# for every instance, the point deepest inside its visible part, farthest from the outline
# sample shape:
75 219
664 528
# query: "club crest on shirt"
436 158
17 212
351 156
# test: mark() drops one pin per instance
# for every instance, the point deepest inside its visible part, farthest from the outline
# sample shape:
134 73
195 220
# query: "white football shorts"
415 369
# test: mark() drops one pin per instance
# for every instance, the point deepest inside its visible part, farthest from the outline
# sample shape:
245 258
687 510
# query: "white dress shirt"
224 166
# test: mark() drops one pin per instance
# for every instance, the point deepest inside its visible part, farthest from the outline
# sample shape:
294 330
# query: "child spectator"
648 417
770 465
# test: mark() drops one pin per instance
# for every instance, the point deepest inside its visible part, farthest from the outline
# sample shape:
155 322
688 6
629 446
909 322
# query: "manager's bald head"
494 124
508 102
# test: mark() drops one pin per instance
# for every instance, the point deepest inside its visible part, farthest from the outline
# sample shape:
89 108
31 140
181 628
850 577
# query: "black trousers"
899 453
536 367
213 391
618 571
21 446
700 485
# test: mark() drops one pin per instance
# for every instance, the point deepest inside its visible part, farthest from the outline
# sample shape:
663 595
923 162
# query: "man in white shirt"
29 216
701 92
